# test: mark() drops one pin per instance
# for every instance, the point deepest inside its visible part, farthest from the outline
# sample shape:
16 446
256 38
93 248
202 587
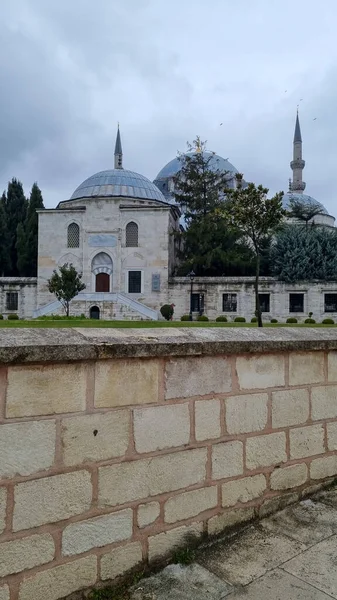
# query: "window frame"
289 302
227 310
265 294
74 224
325 302
128 281
9 305
126 235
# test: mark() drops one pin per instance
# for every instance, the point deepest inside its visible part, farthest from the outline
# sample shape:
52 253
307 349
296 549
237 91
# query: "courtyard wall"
118 446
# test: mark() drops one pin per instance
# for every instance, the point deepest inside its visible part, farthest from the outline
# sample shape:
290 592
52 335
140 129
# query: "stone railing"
117 446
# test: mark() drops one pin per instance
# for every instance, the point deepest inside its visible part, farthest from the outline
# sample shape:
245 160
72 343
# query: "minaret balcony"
298 163
298 186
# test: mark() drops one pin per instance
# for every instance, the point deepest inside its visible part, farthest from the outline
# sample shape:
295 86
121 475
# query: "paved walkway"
289 556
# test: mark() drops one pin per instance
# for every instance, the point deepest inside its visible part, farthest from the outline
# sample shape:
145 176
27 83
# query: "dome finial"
118 150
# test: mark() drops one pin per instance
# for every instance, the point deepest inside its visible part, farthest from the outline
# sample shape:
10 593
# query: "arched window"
131 235
73 236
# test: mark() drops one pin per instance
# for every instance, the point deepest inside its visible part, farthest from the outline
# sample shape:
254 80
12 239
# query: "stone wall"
26 290
116 446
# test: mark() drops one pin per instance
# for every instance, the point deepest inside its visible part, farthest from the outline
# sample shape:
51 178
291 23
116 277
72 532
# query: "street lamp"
191 276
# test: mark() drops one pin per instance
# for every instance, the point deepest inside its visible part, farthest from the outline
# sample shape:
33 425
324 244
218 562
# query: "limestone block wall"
114 450
26 290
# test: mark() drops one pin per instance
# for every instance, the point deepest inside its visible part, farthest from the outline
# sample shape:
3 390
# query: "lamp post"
191 276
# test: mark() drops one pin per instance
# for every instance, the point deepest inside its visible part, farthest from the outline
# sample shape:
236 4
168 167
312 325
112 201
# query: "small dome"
116 183
216 163
303 198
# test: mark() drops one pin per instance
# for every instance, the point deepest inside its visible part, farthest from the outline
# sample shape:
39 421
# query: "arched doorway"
94 312
102 282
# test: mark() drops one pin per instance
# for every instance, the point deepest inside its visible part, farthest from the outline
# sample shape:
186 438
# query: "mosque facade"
117 229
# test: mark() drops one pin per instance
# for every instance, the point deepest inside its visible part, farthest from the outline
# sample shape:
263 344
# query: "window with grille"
131 235
135 282
296 303
12 299
229 302
73 236
330 303
264 302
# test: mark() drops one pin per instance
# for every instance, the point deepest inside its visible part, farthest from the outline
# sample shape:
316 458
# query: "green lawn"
141 324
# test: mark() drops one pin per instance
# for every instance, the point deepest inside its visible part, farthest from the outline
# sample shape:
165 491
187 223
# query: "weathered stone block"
243 490
265 450
227 460
148 477
27 553
3 501
26 448
332 366
290 407
306 441
288 477
207 419
121 560
190 504
51 499
323 401
167 542
147 513
228 519
95 437
332 436
246 413
306 367
95 533
124 382
46 390
4 592
323 467
186 377
261 371
60 581
161 427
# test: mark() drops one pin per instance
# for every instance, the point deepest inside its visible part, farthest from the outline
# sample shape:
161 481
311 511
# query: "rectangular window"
135 282
12 300
330 303
198 303
296 303
264 302
229 302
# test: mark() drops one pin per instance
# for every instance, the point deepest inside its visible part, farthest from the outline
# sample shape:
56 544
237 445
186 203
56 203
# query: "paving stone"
178 582
308 522
327 497
317 566
249 555
278 585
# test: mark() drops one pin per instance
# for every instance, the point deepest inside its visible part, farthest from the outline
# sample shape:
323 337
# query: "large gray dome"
216 163
116 183
304 199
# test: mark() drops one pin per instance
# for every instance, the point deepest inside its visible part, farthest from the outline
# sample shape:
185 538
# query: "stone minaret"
297 164
118 151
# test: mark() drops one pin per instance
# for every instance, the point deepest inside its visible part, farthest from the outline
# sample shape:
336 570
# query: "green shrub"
185 318
221 319
1 317
202 318
239 320
167 311
328 322
13 317
273 320
291 320
253 320
310 320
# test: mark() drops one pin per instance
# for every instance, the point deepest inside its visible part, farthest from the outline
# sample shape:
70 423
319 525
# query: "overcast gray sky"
168 70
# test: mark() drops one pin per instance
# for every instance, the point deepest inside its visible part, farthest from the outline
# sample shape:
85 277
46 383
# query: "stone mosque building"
116 229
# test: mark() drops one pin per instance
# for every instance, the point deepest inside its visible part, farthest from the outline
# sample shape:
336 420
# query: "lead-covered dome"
116 183
303 199
216 163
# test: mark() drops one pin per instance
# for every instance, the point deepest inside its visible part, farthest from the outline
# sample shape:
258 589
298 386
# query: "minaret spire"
297 164
118 151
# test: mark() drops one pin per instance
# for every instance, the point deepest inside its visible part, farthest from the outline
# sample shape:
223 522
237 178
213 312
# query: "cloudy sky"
168 70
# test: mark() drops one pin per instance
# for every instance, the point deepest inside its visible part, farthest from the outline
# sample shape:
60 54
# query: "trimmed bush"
239 320
221 319
1 317
253 320
185 318
328 322
273 320
13 317
310 320
291 320
167 311
202 318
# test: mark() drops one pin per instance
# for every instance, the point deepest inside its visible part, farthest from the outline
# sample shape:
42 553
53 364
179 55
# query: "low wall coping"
19 346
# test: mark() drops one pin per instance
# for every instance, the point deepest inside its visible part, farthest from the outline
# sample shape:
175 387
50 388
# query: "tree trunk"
67 309
258 313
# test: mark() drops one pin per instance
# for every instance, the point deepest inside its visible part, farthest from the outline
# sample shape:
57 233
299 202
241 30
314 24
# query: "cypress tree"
4 238
16 211
31 232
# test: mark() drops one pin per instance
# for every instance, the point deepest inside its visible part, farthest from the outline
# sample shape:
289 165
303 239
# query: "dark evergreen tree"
4 238
209 246
16 211
29 259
